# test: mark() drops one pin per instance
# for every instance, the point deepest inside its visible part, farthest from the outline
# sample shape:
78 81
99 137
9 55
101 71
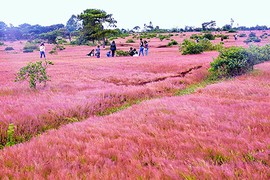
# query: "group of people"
143 47
142 51
110 53
96 52
132 51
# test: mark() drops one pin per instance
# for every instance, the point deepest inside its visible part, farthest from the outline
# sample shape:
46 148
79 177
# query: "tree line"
97 25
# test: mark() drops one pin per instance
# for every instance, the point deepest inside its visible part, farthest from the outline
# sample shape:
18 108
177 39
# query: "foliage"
122 53
222 36
231 62
29 47
259 54
252 34
59 47
232 31
242 35
196 36
10 135
147 35
130 41
162 37
34 73
191 47
173 42
1 43
264 36
95 22
9 48
209 36
52 36
252 38
208 25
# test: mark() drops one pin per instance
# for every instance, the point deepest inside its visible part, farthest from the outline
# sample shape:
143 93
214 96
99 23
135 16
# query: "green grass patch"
115 109
194 87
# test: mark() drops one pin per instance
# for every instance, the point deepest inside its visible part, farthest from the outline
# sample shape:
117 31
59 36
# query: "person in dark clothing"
141 47
92 53
113 48
131 51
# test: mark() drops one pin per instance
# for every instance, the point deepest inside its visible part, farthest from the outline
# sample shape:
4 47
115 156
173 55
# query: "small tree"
34 73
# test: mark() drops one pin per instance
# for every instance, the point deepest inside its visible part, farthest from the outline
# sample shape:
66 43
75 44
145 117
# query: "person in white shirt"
42 50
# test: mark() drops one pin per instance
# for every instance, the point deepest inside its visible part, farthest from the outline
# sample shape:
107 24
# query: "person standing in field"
98 52
141 48
113 48
42 50
146 48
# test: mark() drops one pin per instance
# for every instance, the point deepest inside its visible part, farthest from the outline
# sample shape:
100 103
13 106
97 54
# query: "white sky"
128 13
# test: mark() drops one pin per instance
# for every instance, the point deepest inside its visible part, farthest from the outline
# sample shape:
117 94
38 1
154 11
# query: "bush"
264 36
9 48
196 36
162 37
1 43
252 34
191 47
34 73
231 62
222 36
147 35
122 53
28 50
29 47
54 49
232 31
209 36
130 41
252 39
242 35
259 54
173 42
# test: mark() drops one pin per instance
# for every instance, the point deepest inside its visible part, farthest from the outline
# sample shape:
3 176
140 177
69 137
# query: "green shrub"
232 31
173 42
30 47
252 39
252 34
147 35
10 135
34 73
209 36
9 48
122 53
264 36
222 36
242 35
259 54
162 37
59 47
28 50
1 43
191 47
231 62
130 41
196 36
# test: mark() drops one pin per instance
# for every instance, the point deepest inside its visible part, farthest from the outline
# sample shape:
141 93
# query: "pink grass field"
219 132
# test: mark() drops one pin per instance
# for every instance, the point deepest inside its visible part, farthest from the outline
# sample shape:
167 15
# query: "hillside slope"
221 131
